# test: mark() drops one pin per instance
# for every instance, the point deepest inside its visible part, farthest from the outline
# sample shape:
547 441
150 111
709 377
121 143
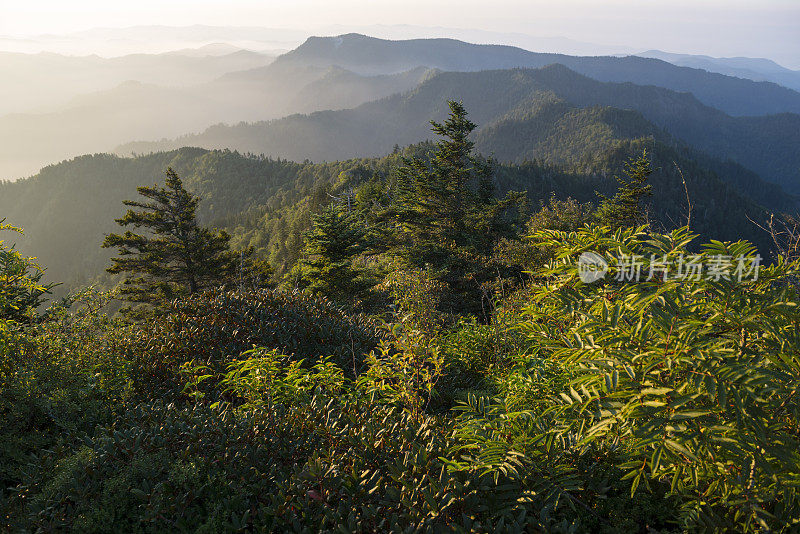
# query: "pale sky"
756 28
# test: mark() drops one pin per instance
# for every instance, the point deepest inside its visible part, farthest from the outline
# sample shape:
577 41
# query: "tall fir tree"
445 217
175 257
334 240
437 197
625 208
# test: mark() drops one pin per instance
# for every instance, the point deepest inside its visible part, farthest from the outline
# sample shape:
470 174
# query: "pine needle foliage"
625 208
335 240
445 217
175 256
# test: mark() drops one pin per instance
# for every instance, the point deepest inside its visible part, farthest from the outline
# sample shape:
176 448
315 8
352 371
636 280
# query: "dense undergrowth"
658 406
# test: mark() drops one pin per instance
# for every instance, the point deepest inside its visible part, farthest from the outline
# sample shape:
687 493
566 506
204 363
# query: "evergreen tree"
625 208
335 239
176 257
445 216
253 273
436 197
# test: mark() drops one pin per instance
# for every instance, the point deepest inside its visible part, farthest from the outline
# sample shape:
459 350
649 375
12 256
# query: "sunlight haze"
400 266
768 28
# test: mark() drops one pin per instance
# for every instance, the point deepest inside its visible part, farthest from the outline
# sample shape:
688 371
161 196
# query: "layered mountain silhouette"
46 82
368 55
133 110
756 69
331 73
765 145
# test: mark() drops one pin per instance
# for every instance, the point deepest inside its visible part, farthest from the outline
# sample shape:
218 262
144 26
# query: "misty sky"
764 28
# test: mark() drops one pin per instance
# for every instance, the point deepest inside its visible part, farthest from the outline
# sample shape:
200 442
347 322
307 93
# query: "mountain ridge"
756 69
268 203
735 96
375 127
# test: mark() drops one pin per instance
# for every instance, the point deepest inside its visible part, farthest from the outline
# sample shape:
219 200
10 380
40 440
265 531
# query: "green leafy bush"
319 466
21 288
216 327
59 381
683 387
404 370
266 378
665 405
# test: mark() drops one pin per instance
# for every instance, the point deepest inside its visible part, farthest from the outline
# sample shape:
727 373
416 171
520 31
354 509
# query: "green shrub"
216 327
265 378
658 406
21 288
313 466
683 387
404 370
59 381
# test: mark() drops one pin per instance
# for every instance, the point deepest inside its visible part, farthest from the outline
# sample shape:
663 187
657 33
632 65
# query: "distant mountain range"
766 145
370 56
100 121
757 69
40 82
154 39
347 71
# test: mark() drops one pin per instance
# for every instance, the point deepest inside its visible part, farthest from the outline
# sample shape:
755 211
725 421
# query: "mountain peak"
317 43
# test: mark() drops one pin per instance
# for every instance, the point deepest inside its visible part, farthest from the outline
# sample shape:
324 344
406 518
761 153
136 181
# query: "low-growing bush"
318 466
666 405
58 380
216 327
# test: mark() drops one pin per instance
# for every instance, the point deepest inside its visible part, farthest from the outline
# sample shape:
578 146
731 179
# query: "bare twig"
785 233
688 200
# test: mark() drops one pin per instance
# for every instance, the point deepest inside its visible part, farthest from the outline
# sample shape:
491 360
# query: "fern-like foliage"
687 386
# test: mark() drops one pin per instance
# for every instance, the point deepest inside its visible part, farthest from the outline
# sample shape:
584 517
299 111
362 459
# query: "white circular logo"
591 267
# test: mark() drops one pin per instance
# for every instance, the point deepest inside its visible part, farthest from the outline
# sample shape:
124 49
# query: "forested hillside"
369 55
765 145
437 342
64 225
269 203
